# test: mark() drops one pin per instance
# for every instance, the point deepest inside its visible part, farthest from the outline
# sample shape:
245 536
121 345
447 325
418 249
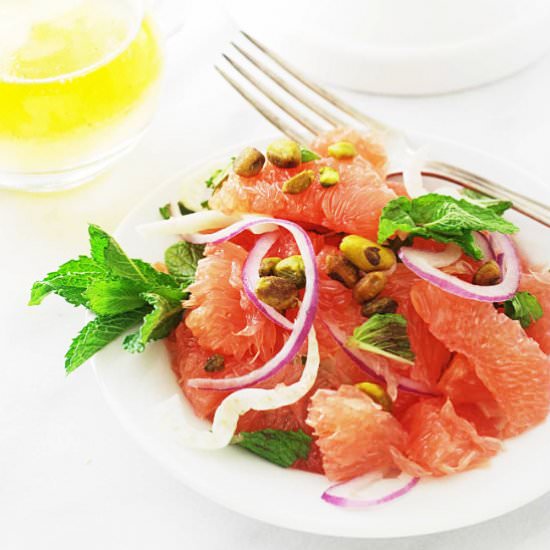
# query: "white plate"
134 385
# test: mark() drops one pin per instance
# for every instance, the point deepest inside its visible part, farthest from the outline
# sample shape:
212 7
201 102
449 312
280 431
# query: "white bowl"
401 46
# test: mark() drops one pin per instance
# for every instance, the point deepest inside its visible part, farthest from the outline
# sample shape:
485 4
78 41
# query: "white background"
70 478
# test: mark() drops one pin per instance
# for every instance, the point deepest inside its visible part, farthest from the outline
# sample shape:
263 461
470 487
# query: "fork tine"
306 102
299 117
327 96
264 111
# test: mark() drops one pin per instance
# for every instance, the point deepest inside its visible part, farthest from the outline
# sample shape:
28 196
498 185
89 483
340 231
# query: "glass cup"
79 85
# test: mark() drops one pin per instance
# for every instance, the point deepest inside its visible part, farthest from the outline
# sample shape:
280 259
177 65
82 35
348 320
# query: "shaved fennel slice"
239 402
204 220
192 223
175 210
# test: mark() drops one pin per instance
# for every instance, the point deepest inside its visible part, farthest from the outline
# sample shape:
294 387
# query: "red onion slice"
357 356
505 251
304 319
331 496
250 276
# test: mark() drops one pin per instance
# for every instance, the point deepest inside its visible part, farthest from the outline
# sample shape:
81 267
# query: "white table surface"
70 477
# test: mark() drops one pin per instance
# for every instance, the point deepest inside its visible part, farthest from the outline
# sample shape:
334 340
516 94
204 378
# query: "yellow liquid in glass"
76 82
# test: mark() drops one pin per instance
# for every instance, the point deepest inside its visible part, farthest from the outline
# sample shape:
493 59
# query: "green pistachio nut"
488 274
342 270
215 363
277 292
328 176
382 304
249 163
369 286
284 153
267 266
299 183
292 268
377 393
342 150
366 254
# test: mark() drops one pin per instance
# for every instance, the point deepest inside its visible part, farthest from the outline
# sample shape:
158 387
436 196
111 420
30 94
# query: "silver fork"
307 110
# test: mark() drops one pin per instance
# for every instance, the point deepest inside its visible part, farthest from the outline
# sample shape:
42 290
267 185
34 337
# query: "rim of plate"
347 523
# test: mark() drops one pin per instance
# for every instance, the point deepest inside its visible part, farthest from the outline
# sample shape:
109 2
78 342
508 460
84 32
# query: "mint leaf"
153 277
524 307
115 296
181 259
384 334
496 205
307 155
219 176
441 218
97 334
108 253
280 447
69 281
157 324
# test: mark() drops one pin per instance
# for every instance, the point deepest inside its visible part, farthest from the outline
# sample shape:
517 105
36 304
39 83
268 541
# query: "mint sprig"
280 447
523 307
443 219
122 291
384 334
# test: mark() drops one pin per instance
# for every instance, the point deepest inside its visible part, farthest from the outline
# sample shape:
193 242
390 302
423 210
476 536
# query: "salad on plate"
330 317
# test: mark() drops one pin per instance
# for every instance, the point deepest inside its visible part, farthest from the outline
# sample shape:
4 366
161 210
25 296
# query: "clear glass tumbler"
79 84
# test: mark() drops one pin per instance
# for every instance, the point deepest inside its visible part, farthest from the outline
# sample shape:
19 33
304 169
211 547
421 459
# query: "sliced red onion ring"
304 319
250 276
504 249
331 496
357 356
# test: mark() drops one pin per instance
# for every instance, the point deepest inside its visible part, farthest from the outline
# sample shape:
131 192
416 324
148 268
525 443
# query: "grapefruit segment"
222 318
509 363
471 398
188 360
354 434
440 442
